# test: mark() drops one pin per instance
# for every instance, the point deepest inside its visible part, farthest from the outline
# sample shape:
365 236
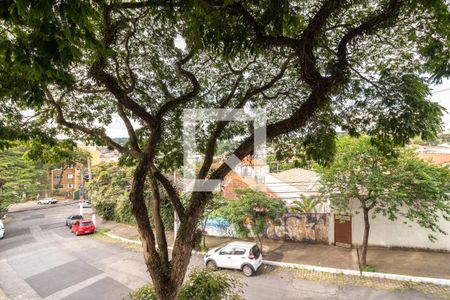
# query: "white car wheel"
248 271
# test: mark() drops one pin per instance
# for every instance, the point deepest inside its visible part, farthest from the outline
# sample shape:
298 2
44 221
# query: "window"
255 251
225 252
57 176
69 176
238 251
70 186
86 223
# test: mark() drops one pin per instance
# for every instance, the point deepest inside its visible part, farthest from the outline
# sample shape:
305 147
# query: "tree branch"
212 141
171 104
89 131
131 132
371 24
111 83
171 192
157 219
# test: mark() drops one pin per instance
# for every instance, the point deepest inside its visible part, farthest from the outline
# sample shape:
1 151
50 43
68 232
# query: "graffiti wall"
309 227
219 227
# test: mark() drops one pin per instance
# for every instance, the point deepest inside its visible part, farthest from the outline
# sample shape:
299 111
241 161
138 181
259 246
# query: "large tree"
390 182
20 179
312 65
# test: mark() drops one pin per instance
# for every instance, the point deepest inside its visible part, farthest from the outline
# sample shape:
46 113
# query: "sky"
440 94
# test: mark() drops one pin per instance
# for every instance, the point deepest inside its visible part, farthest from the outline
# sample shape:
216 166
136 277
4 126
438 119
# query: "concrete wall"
399 233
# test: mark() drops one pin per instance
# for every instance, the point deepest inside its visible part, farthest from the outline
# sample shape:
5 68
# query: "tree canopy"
313 65
20 179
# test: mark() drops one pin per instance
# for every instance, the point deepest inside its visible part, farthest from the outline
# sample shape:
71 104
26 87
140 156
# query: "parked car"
72 219
244 256
2 229
83 226
87 204
47 201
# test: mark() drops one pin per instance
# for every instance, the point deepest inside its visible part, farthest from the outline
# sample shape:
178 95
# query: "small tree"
251 212
304 205
386 182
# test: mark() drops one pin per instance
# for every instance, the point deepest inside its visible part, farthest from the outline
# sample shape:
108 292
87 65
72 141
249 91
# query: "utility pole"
89 168
94 216
176 220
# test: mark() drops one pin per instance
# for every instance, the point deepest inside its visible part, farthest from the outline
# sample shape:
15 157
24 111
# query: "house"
439 155
286 186
290 184
100 154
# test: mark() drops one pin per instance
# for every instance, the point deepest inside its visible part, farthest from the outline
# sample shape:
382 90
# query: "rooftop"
301 179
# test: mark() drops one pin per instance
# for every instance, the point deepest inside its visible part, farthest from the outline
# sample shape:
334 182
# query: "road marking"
12 284
74 288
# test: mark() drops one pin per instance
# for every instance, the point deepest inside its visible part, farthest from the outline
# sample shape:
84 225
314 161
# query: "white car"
244 256
2 229
47 201
86 204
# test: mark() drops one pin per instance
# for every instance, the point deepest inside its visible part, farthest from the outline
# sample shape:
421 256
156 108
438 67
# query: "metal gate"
343 231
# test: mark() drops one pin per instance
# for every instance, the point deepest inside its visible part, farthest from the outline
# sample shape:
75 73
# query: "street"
41 259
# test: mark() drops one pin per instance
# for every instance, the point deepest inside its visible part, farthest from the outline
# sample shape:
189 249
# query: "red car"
83 227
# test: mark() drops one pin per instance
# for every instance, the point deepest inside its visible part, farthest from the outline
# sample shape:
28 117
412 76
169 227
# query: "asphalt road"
41 259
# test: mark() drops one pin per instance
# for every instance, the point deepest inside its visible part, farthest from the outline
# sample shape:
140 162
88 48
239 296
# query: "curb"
113 236
62 203
438 281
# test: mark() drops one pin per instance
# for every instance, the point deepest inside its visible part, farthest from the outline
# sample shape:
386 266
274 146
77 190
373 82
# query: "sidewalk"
404 262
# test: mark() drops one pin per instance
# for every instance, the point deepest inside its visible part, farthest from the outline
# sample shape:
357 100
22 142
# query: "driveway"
41 259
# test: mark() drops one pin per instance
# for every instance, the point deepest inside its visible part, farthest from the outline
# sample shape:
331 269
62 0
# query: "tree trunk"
157 265
365 237
167 277
203 232
260 242
61 175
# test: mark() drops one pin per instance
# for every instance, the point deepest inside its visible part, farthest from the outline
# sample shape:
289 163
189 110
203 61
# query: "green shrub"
106 209
146 292
203 284
123 212
369 268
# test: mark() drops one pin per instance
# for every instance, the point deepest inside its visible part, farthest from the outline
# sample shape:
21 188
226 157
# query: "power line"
443 90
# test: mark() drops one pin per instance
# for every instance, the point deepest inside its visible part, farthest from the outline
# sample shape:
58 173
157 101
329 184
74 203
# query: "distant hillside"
122 140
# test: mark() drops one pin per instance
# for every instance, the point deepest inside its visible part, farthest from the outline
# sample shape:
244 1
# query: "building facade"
66 180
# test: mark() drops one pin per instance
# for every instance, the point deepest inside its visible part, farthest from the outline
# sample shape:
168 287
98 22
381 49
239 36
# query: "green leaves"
253 206
21 179
304 205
